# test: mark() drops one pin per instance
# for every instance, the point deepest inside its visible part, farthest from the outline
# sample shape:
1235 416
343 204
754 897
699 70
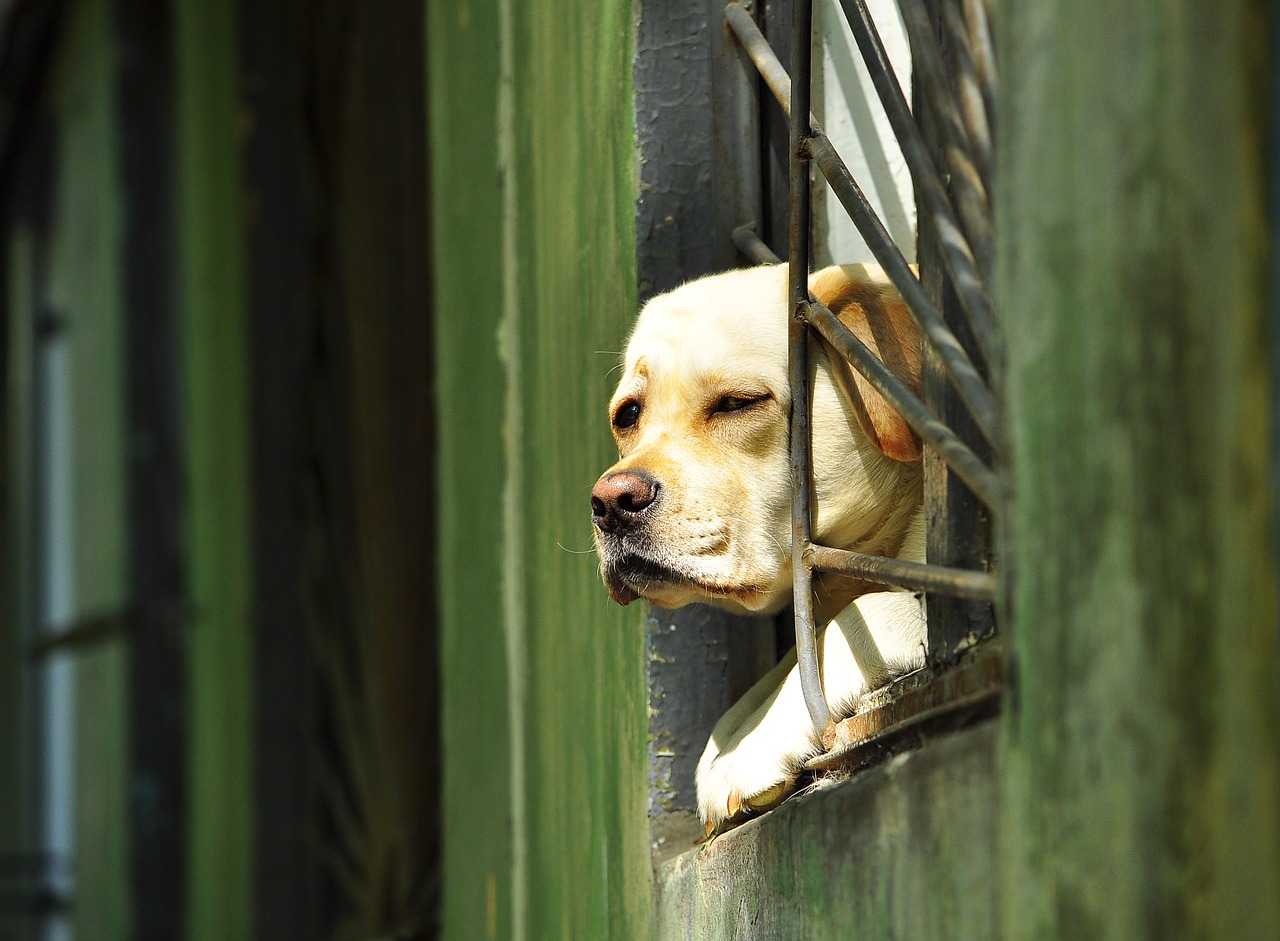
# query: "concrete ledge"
906 850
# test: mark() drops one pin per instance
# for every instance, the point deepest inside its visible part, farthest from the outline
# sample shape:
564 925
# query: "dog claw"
738 808
768 797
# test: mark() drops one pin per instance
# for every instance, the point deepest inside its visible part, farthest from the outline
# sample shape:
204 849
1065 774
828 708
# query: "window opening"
955 102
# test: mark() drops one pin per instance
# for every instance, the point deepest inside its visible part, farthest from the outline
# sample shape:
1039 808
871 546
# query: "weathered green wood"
84 293
1141 775
544 699
904 850
466 215
220 808
18 737
572 302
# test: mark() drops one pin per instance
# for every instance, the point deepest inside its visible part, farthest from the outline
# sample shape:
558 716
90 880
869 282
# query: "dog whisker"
560 545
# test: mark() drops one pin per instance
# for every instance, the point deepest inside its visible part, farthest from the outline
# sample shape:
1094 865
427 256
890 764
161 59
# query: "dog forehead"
723 323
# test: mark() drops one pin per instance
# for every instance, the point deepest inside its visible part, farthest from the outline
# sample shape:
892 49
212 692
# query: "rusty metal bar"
960 260
960 369
934 433
960 583
761 53
959 457
913 701
798 368
753 247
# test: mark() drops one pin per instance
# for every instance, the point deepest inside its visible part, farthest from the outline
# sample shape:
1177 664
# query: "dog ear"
875 313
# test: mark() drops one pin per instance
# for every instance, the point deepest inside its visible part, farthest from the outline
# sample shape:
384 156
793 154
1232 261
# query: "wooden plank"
374 147
572 294
293 581
1141 778
220 802
544 695
19 732
156 548
466 229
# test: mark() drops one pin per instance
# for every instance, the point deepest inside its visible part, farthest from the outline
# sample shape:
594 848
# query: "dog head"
698 508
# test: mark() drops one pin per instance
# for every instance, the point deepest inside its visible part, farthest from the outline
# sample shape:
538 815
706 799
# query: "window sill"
896 719
905 849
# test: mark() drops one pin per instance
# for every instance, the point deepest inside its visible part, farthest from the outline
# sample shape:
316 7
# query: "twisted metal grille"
954 203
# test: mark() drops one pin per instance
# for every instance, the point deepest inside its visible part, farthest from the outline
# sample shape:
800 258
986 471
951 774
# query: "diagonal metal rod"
982 51
798 367
969 93
934 433
967 188
976 475
961 264
960 583
959 368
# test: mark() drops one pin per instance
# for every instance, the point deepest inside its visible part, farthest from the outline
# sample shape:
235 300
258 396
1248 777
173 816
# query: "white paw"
759 746
756 750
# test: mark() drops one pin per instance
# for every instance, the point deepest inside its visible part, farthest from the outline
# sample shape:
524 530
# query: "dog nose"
619 499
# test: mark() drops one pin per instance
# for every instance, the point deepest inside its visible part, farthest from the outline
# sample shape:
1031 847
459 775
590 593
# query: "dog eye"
627 415
738 403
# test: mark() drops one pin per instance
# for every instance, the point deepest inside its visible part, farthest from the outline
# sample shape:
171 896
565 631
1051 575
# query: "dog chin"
630 577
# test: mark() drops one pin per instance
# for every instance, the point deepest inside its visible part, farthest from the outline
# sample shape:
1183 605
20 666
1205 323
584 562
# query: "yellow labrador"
698 506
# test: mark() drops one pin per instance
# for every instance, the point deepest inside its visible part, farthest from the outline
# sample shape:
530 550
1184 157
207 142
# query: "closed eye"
738 402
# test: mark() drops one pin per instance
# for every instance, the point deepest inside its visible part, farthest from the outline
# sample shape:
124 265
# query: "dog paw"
756 751
758 748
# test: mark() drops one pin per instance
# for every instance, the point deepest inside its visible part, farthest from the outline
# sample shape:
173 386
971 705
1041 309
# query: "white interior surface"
848 108
57 607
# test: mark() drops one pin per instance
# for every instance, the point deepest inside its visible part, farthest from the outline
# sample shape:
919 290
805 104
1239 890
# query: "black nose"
618 500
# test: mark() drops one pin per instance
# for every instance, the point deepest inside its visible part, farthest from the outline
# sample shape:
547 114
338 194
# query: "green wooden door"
543 683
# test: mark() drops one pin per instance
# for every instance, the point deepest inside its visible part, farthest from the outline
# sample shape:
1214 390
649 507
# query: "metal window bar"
962 224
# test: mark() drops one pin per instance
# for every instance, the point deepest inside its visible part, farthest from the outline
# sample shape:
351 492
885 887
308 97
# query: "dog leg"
758 747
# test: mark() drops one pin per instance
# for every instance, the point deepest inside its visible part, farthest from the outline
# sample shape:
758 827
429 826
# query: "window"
760 198
957 238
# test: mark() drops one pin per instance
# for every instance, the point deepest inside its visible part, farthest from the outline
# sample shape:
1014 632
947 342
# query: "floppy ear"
876 315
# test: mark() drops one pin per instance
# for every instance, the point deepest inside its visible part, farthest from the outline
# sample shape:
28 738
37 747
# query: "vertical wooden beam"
220 664
381 334
282 293
466 232
157 639
1142 745
570 291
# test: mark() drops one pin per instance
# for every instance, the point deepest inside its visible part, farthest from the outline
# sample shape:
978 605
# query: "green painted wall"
543 685
220 643
1142 759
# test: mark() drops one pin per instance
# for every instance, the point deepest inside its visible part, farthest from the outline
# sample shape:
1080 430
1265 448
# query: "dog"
698 507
